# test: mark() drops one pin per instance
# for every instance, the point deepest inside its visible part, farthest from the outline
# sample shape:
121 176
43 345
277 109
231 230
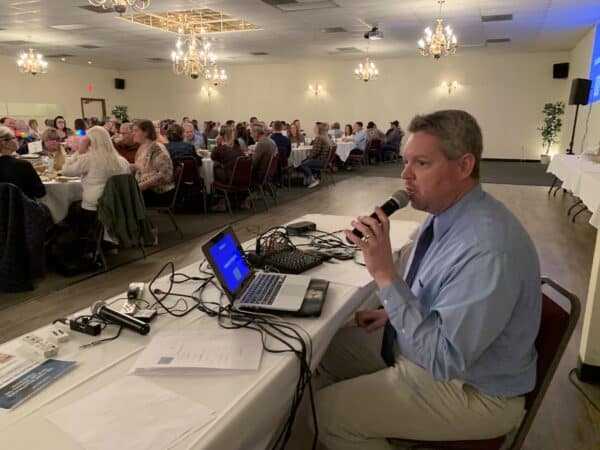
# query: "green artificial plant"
552 124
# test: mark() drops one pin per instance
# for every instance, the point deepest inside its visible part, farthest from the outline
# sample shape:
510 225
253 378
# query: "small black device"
395 202
560 70
85 327
119 83
292 261
145 315
580 91
108 314
297 228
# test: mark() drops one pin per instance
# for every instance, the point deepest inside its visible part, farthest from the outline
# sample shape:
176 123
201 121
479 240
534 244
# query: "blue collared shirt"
360 140
474 309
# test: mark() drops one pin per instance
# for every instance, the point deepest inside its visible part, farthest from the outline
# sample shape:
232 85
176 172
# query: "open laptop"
246 289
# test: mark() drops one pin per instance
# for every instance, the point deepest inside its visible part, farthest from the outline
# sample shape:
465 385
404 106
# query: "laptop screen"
227 260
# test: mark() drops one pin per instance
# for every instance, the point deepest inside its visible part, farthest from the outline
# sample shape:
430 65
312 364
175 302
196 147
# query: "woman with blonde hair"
95 161
296 136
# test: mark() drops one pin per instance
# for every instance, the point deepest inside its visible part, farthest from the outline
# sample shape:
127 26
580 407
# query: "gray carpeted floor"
195 224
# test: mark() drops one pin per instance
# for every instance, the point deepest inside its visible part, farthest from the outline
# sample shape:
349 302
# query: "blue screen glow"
595 68
228 260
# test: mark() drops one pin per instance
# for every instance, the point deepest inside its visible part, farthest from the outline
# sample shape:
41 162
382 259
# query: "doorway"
93 107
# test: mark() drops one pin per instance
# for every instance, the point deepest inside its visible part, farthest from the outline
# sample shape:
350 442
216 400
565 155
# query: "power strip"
36 347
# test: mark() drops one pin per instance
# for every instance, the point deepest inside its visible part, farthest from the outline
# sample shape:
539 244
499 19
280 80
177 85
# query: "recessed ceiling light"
89 62
63 59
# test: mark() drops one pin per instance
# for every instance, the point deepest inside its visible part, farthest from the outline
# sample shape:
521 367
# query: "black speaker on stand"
580 92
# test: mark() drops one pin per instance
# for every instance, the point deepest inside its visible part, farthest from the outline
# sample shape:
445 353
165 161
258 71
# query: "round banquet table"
299 154
60 195
343 150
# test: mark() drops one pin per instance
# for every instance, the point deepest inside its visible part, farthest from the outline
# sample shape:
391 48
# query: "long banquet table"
60 195
248 406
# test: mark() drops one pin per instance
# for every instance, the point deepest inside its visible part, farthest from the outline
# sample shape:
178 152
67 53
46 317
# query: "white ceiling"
537 25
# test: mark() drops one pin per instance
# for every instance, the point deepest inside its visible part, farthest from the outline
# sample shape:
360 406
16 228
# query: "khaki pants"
370 402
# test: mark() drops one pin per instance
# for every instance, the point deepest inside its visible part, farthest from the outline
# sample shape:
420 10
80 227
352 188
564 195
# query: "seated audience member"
51 147
60 125
177 148
241 136
189 136
335 132
359 138
263 152
230 123
393 138
197 131
458 332
109 125
23 138
280 140
153 166
125 144
225 154
295 136
9 122
73 141
49 123
96 160
318 156
211 131
17 171
33 129
375 134
347 132
299 126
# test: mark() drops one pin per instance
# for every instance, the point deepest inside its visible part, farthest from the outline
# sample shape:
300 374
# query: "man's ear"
466 163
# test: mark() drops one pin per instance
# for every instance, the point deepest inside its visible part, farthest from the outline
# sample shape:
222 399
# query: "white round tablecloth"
207 172
299 154
59 196
343 150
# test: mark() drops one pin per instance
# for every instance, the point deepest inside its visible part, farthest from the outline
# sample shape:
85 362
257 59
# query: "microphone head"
96 308
401 198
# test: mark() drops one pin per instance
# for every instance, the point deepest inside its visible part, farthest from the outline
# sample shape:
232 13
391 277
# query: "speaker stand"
570 149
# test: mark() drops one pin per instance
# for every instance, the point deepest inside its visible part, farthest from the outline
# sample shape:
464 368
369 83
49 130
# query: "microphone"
397 201
101 310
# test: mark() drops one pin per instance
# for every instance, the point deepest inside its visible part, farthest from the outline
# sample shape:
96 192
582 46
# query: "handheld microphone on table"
108 314
397 201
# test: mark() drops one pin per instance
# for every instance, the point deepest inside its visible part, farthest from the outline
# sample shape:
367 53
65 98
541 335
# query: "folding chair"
191 182
283 166
241 178
170 207
556 327
328 169
267 181
372 149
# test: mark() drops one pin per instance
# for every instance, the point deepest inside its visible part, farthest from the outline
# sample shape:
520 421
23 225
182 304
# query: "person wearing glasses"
125 144
51 147
18 171
60 125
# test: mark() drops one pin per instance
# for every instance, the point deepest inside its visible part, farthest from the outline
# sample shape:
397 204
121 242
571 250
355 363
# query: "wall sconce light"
315 89
209 91
450 86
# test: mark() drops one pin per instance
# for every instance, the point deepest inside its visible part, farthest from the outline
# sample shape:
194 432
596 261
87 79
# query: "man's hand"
376 247
371 320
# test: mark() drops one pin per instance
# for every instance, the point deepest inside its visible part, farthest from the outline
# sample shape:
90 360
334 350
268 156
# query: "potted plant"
120 113
551 127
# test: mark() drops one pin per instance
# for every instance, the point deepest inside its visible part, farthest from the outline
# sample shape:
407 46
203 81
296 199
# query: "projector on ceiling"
374 34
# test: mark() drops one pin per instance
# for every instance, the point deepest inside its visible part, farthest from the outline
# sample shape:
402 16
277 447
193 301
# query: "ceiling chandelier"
440 43
192 57
31 63
367 71
215 76
120 6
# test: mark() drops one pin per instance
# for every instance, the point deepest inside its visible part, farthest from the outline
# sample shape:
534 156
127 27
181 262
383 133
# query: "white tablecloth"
207 172
249 406
343 150
299 154
589 193
59 196
570 168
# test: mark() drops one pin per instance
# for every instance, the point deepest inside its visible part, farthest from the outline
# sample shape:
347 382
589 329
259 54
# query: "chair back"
190 170
177 177
331 156
242 172
373 144
282 160
556 328
272 169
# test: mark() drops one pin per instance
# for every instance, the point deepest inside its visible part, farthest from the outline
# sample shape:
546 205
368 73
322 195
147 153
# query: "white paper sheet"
131 413
189 351
34 147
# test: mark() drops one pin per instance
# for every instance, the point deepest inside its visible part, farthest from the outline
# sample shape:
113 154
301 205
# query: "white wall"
580 59
505 92
61 88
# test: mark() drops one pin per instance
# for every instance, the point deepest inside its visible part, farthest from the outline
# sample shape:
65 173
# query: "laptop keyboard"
263 289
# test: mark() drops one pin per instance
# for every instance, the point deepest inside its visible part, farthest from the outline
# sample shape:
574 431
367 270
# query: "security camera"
120 8
194 76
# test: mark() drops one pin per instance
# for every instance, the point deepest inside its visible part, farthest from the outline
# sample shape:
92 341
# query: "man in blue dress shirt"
458 330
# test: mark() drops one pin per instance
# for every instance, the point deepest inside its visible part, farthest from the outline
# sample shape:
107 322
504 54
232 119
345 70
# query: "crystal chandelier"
440 43
215 76
31 63
367 71
120 6
191 59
